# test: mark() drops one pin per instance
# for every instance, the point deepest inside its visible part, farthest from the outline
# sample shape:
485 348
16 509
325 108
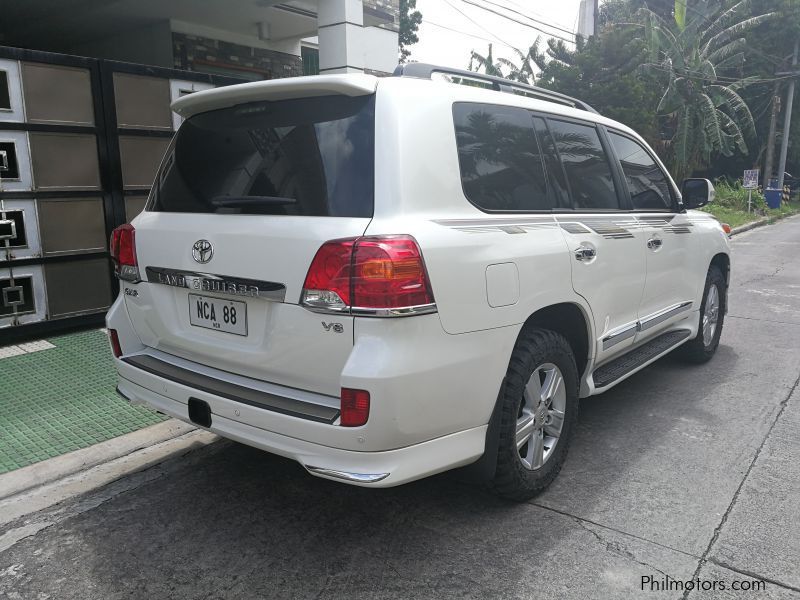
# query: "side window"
499 157
647 183
555 173
586 165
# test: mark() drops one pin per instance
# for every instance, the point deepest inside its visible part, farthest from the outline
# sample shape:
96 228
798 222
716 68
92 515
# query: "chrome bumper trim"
232 391
353 477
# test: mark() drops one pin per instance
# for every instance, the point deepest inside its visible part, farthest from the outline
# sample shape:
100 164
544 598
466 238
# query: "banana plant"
699 65
522 72
487 63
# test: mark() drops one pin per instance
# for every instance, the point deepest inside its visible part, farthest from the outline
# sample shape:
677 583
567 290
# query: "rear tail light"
355 407
116 349
123 253
379 276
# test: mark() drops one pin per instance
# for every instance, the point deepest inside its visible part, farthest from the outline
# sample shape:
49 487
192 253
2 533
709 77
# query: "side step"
625 364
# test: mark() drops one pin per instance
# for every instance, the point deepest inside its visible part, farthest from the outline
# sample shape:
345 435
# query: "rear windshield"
307 157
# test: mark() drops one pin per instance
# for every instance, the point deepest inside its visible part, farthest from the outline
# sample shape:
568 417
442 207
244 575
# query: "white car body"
433 378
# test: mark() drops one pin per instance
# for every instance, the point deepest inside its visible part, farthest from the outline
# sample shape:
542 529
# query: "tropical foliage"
700 57
695 77
409 24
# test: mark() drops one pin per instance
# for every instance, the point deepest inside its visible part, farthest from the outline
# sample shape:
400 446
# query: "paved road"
680 472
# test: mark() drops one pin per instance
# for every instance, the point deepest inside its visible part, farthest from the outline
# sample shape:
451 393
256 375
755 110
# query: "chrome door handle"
584 253
654 243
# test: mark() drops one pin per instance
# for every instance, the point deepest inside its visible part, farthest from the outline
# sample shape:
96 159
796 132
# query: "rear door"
244 199
665 234
608 266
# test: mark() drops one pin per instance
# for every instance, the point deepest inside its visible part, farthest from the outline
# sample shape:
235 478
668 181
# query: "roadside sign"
751 179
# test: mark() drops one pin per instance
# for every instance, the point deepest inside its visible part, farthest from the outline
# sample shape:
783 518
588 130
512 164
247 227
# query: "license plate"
229 316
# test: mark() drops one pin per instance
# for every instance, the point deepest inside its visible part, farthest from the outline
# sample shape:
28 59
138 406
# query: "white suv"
387 278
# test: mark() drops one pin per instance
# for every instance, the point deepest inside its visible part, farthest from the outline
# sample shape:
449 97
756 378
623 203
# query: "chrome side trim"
663 315
620 334
220 284
353 477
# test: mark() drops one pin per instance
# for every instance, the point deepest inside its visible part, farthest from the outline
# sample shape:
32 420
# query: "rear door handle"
585 253
654 243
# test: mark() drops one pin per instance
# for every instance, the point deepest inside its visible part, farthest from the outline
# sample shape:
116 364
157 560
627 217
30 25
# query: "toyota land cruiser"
384 279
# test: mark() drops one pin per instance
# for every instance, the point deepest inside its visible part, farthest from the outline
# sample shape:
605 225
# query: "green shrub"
733 195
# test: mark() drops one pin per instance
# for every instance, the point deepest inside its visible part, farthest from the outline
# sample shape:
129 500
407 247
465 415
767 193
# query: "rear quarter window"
500 158
307 157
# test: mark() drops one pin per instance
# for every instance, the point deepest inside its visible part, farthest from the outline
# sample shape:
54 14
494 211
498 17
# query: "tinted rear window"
309 157
500 159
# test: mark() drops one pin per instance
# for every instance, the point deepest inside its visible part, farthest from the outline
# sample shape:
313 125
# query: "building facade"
85 89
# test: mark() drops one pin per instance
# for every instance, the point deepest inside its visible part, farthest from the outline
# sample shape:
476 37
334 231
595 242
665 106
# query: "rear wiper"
246 201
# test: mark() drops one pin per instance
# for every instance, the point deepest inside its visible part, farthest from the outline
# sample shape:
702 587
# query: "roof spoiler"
275 89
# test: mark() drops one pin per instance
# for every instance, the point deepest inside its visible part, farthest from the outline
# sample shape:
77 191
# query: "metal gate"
80 141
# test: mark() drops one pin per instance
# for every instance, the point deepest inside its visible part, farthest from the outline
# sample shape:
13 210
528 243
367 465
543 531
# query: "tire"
702 347
539 357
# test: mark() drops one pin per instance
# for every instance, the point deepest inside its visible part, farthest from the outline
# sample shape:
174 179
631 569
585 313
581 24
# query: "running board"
629 362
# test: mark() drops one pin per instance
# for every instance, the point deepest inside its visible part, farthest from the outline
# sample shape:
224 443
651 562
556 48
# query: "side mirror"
697 193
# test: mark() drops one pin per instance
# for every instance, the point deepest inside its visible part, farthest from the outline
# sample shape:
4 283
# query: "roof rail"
499 84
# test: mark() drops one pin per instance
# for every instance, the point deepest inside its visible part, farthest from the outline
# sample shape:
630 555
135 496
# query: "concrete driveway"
680 473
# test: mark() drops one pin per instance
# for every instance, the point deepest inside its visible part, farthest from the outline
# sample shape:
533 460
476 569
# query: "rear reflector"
123 253
382 275
113 338
355 407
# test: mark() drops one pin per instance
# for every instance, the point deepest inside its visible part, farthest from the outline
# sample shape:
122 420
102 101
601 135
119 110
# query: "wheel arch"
569 319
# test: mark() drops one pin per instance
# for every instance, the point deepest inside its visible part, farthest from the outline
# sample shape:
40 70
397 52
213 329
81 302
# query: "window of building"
500 159
586 165
647 183
310 57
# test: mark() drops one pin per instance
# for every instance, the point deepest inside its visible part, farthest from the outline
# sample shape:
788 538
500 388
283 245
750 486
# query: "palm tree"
699 58
487 63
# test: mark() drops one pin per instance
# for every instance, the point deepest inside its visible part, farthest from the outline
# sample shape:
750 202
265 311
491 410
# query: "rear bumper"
432 395
371 469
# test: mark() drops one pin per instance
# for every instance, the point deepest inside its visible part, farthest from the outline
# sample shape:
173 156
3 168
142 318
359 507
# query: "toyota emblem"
202 251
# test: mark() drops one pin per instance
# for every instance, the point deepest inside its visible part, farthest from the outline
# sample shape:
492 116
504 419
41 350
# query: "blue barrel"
773 197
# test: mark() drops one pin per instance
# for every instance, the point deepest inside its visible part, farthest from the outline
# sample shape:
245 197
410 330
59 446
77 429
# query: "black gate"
80 141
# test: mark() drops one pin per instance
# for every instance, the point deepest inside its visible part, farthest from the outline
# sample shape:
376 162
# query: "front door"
663 233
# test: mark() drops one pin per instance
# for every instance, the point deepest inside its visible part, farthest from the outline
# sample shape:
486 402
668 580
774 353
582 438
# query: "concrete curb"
41 473
759 223
748 226
120 471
